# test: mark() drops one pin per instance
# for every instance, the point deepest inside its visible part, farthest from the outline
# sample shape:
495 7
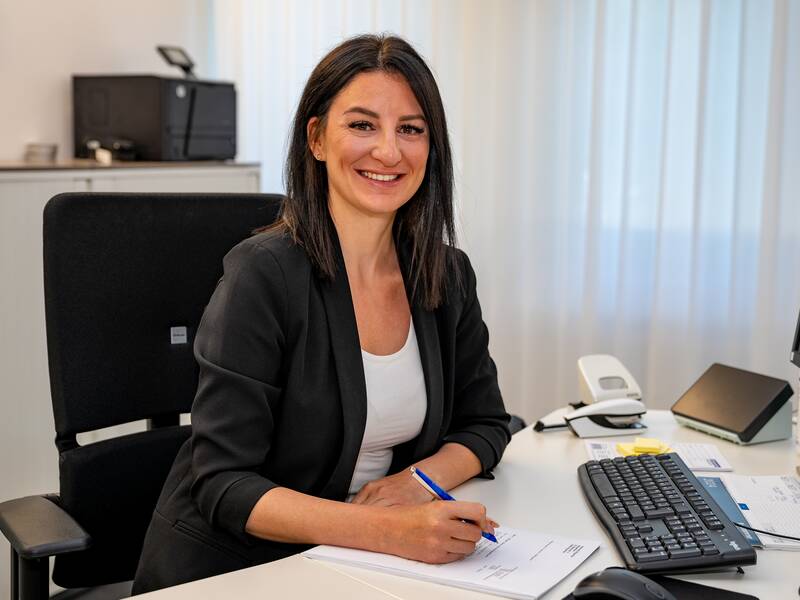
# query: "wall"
42 43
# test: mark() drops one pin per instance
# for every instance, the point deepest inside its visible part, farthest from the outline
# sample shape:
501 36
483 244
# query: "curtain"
627 171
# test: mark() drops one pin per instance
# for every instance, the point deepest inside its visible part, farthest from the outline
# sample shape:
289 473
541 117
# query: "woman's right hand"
435 532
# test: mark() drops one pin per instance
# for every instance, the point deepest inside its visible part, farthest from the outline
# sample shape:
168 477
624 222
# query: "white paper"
698 457
601 450
522 564
771 503
702 457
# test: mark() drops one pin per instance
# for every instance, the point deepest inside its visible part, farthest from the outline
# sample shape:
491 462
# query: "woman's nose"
386 150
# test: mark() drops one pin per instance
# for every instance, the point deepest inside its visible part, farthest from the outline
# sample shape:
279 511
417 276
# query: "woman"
342 345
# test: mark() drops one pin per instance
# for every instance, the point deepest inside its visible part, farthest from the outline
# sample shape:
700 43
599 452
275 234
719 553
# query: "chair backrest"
126 279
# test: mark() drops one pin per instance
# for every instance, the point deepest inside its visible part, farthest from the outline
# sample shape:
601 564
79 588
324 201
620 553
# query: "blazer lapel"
346 349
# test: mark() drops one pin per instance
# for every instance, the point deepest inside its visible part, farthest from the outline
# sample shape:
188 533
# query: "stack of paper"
522 564
769 503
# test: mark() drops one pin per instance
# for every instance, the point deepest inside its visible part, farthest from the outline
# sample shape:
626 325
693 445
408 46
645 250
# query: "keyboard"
661 519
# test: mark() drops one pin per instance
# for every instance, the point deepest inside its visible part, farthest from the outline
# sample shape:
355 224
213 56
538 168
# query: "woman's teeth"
378 177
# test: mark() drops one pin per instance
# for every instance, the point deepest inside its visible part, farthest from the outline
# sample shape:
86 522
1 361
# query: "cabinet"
28 459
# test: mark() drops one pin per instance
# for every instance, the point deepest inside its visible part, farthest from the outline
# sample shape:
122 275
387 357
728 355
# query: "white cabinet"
28 458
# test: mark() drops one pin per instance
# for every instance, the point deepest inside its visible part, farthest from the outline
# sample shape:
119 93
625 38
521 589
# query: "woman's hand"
399 489
435 532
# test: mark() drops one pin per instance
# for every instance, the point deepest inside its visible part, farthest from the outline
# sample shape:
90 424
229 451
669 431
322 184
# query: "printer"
149 117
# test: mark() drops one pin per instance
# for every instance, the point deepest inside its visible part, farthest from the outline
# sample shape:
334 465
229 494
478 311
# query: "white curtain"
628 171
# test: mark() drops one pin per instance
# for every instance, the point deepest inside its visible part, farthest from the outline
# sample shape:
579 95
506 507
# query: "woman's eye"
361 125
411 130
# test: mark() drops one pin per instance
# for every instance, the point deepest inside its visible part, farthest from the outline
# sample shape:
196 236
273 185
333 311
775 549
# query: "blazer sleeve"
239 348
480 421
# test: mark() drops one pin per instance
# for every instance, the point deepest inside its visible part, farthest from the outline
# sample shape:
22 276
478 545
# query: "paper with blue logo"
770 503
719 493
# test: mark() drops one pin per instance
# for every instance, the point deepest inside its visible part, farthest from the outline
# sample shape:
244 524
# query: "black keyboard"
662 520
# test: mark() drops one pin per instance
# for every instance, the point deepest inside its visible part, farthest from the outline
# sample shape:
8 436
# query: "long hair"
424 225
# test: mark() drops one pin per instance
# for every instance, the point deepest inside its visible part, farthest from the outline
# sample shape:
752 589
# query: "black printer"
149 117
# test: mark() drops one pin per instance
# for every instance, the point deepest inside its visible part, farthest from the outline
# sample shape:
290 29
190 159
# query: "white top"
396 407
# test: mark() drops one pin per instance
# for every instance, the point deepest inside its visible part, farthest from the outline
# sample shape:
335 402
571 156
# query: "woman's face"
374 144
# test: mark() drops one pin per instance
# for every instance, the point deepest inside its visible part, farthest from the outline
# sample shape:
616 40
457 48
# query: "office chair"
516 423
126 280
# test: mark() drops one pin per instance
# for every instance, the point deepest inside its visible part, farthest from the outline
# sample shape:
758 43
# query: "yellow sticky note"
647 445
625 449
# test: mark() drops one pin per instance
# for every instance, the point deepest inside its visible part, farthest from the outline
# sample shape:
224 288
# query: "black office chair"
516 423
126 279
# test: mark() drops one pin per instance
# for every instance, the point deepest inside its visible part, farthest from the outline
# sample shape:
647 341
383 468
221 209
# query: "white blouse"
396 407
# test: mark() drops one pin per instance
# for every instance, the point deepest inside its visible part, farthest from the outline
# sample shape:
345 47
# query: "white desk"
536 487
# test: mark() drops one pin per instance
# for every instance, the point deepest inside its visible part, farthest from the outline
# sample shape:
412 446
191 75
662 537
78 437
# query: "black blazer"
281 401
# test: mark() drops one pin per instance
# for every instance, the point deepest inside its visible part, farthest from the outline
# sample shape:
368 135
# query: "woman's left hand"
400 489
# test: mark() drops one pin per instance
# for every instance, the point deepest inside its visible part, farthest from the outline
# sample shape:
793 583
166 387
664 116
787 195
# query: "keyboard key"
636 513
659 512
652 556
603 486
676 529
685 553
695 528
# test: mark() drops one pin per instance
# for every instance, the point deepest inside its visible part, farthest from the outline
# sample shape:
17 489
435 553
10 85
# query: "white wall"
44 42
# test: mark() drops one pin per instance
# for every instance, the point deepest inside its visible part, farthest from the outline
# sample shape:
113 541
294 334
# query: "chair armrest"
38 527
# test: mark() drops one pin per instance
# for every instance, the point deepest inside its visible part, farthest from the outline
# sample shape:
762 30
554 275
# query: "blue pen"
433 488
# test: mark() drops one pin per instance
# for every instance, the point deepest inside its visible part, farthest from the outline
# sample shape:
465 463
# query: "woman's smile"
381 177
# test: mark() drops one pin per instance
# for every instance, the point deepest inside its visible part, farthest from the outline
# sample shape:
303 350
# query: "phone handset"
610 401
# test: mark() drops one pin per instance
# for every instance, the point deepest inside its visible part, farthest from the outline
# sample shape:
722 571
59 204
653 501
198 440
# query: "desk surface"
536 488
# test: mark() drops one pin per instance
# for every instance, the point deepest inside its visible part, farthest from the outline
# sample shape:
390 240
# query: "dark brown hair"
425 223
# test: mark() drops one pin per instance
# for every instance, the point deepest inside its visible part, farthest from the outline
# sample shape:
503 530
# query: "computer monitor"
795 357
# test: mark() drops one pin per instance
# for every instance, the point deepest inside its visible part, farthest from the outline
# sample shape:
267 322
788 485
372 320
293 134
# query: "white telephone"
611 401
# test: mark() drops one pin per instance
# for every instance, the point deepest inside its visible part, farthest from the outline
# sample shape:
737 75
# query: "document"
522 564
770 503
698 457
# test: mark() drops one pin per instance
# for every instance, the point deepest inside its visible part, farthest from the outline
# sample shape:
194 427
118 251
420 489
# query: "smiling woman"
342 346
370 71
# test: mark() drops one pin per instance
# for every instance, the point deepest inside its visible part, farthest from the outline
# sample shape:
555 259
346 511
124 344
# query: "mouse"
616 583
